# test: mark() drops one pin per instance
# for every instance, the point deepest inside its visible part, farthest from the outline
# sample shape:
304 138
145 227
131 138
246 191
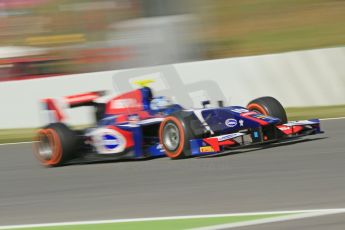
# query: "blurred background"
40 38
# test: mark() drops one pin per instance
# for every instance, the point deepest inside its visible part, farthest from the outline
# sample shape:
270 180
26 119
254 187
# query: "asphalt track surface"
329 222
308 174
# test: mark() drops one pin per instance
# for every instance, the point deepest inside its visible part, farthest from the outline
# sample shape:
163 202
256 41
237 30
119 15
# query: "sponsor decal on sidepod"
124 103
108 141
231 122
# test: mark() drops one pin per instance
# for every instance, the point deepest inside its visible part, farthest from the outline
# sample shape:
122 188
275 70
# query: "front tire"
268 106
176 131
55 145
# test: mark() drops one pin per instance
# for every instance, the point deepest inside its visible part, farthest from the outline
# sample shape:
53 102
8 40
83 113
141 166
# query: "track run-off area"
307 174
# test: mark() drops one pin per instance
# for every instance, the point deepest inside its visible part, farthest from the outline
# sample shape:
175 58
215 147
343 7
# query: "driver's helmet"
159 103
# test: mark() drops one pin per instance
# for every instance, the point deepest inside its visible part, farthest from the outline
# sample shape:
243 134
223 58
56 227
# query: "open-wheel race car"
138 125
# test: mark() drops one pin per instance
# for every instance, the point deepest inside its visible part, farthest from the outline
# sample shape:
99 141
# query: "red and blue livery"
139 125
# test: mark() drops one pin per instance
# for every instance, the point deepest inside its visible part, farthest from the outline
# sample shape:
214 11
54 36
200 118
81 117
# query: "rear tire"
55 144
268 106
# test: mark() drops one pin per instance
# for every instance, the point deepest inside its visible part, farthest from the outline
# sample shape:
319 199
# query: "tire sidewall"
178 152
65 141
182 121
269 106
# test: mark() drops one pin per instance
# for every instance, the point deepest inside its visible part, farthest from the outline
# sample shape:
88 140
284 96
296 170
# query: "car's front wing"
216 144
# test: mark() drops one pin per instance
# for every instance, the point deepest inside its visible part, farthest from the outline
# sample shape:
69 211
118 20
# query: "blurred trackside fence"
301 78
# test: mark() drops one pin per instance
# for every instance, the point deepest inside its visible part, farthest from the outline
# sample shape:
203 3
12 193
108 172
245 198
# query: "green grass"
163 224
20 135
16 135
252 27
23 135
316 112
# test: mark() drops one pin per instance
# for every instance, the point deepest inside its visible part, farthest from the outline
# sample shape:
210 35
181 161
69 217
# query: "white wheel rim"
171 136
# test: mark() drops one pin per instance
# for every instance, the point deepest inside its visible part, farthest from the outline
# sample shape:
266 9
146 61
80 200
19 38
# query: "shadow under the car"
108 161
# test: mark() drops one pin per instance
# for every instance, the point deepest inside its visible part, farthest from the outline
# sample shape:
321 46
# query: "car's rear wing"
57 105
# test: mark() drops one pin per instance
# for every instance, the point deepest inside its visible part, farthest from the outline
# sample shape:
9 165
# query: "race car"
139 125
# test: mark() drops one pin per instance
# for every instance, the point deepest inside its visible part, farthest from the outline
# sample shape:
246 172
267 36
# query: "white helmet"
159 103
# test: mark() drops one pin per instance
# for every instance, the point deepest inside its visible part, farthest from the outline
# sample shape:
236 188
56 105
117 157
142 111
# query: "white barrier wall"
303 78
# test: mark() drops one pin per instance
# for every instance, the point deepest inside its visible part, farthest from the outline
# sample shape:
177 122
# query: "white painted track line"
296 213
274 219
332 118
18 143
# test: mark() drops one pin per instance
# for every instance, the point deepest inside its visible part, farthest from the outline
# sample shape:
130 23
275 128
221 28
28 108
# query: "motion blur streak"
133 33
